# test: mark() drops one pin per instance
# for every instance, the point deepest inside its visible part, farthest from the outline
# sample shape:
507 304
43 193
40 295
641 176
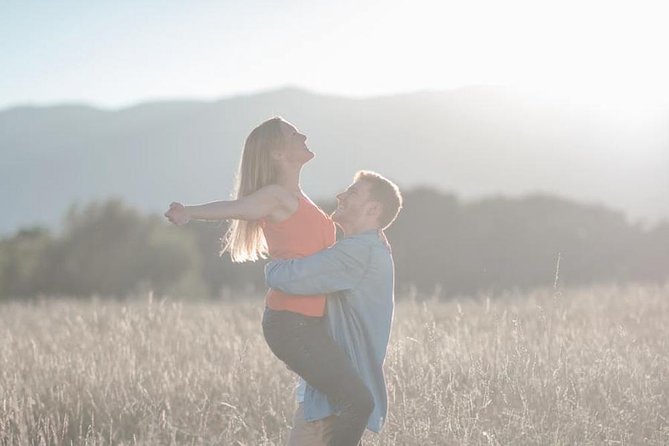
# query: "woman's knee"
364 402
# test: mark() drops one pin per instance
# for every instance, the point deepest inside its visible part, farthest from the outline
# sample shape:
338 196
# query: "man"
357 273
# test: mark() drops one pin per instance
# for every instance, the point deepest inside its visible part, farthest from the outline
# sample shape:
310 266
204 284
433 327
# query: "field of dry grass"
582 367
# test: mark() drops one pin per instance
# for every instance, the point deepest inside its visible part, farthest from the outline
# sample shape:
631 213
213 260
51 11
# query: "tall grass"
582 367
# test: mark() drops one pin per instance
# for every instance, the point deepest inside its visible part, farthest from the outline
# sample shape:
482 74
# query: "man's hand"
177 214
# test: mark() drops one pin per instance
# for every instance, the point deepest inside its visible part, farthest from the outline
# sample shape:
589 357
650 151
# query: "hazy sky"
116 53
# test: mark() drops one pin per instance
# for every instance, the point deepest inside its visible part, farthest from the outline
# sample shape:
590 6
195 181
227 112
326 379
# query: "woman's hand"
177 214
272 200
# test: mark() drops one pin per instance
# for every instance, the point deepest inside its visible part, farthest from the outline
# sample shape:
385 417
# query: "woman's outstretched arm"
267 201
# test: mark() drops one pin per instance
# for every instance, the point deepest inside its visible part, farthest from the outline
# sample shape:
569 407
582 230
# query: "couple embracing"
329 308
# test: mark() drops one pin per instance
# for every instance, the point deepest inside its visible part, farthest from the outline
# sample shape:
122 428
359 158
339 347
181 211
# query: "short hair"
385 192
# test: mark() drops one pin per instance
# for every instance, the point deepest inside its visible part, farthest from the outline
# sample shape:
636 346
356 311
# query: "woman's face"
294 150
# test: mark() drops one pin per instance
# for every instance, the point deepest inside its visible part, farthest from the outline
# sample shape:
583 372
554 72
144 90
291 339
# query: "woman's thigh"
305 346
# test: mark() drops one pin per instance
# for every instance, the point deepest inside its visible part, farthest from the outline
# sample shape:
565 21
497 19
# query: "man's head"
371 202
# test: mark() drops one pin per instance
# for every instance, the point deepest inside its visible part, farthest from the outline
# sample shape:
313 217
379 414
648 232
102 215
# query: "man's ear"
374 209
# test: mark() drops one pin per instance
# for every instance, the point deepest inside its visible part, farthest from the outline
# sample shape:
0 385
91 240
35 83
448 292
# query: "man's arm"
337 268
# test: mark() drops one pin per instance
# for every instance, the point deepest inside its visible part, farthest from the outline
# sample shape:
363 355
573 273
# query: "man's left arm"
337 268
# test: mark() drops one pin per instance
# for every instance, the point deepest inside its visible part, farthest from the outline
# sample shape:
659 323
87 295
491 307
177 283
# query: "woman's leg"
304 345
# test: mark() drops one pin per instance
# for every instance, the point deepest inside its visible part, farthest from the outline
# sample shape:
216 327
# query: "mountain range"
474 142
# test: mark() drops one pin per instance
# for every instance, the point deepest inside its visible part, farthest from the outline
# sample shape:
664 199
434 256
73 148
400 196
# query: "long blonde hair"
244 239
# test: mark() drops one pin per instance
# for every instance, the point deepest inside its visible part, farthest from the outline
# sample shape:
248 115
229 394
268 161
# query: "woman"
271 215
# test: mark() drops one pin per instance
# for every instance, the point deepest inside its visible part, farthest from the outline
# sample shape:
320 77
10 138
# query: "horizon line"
238 95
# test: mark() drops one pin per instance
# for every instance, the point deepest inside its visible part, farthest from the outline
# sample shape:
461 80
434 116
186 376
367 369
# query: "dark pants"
304 345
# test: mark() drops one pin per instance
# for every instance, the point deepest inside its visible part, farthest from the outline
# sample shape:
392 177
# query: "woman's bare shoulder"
277 192
286 201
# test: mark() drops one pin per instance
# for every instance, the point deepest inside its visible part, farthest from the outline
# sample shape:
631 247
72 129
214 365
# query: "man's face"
353 204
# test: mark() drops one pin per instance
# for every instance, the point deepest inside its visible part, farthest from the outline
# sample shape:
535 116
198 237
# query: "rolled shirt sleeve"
338 268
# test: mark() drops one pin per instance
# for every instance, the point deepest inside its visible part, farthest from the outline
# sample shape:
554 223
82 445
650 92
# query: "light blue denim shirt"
357 273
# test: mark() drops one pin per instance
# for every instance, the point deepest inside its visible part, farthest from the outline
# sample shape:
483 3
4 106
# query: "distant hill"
473 142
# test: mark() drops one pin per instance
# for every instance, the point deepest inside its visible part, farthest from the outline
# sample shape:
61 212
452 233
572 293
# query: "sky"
116 54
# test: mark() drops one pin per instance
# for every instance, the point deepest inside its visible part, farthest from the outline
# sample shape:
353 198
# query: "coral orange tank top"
307 231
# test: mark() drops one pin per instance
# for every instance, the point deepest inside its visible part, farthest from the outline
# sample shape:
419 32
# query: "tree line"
439 243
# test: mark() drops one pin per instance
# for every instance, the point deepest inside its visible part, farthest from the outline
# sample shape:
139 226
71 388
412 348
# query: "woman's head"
256 166
271 150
